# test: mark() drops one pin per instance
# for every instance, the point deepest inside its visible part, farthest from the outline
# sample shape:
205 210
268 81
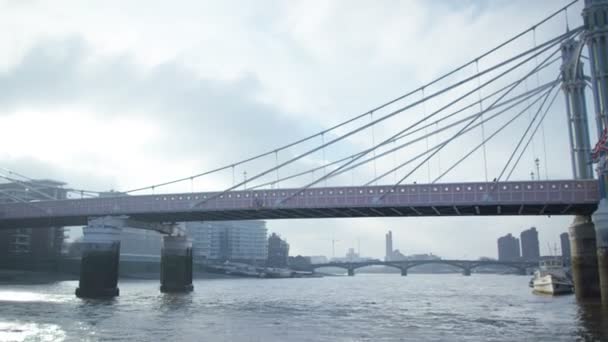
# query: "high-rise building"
508 248
389 246
31 246
529 244
244 241
565 241
278 251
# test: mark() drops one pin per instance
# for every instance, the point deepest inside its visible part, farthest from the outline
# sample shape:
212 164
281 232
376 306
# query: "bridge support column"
404 272
466 272
600 219
176 264
351 272
584 257
100 257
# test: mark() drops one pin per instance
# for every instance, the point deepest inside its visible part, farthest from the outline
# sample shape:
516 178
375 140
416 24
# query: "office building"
243 241
389 246
31 247
565 242
529 245
508 248
278 251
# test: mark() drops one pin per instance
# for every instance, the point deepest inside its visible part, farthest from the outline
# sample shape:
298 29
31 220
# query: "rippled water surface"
360 308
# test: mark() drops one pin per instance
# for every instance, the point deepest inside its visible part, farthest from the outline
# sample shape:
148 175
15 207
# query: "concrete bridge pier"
600 219
466 272
404 272
351 272
584 257
176 264
100 257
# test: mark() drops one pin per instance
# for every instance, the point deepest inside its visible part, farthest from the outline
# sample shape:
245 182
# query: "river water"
378 307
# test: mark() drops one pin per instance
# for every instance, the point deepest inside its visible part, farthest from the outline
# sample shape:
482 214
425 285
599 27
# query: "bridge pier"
351 272
466 272
584 257
176 264
100 257
404 272
600 219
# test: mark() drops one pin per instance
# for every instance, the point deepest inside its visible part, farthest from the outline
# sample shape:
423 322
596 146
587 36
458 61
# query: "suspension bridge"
499 104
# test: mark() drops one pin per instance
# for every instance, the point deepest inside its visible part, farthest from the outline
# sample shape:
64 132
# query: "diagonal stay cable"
510 159
489 138
545 47
436 80
517 99
466 126
539 124
439 110
466 131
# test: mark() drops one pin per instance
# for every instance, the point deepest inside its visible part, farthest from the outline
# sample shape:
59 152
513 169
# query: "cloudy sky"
118 95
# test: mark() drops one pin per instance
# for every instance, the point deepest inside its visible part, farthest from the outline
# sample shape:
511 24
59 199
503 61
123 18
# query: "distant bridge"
466 265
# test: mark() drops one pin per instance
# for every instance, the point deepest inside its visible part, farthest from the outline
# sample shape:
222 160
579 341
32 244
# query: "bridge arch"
516 266
356 265
413 264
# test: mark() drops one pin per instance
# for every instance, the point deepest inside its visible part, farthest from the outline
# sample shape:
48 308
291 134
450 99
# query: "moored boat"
551 278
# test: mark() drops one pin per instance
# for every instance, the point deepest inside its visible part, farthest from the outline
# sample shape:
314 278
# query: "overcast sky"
117 95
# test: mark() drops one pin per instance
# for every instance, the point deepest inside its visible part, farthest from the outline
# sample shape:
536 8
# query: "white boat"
551 278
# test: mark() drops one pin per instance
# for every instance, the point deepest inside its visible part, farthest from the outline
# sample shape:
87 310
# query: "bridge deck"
563 197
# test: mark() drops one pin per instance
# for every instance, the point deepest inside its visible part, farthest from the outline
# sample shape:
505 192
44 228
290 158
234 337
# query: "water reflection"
19 331
593 319
175 301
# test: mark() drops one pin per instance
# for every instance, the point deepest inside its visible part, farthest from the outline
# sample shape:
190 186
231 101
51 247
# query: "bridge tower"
582 231
595 18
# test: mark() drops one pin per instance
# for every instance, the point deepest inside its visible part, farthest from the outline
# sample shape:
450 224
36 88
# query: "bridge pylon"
582 230
596 36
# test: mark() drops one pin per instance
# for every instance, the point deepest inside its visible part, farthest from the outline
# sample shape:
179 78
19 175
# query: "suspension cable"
382 106
483 132
493 135
545 47
522 138
542 127
519 99
539 124
472 128
446 106
470 123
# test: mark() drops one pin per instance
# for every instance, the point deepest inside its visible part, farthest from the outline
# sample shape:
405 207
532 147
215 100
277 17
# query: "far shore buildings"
31 248
565 243
278 251
508 248
530 250
238 241
396 255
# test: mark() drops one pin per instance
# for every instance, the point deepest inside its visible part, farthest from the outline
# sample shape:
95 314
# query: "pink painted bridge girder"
560 197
